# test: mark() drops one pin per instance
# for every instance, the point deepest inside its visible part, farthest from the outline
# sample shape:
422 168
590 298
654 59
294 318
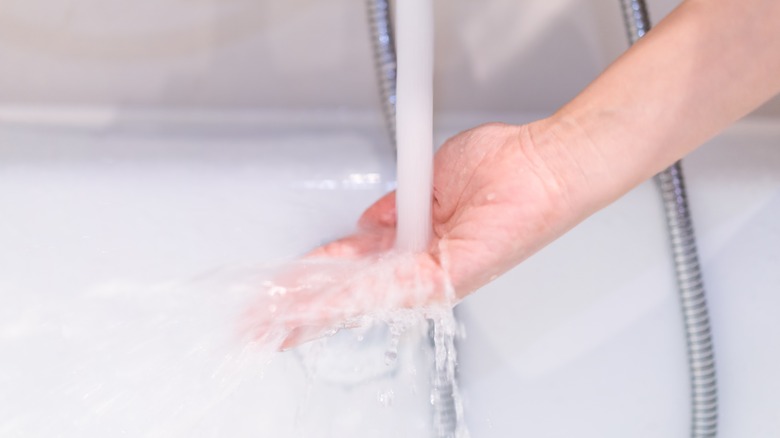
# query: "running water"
414 130
414 123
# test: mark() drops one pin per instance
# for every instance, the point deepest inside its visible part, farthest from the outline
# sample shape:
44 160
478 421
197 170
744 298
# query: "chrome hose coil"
701 355
383 44
698 335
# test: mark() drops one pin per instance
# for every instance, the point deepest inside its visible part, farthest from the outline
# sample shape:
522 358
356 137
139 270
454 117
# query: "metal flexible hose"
383 44
701 356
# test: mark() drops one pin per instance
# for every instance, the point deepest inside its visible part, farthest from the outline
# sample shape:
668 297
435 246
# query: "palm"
494 204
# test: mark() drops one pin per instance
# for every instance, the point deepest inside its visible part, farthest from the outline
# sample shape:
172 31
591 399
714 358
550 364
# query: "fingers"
316 298
380 215
301 335
376 234
361 244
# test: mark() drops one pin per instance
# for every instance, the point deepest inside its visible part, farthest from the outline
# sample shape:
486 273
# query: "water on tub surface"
166 360
114 321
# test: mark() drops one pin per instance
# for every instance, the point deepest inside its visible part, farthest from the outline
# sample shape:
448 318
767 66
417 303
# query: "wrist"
573 156
606 157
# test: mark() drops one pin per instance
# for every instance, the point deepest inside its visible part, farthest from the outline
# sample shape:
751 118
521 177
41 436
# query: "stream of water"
414 130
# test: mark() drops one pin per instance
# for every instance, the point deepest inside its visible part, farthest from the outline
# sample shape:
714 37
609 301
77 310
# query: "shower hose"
701 357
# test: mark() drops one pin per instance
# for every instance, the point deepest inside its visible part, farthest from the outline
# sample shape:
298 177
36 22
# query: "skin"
502 192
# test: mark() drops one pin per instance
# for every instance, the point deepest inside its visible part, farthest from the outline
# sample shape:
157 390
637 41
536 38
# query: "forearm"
707 64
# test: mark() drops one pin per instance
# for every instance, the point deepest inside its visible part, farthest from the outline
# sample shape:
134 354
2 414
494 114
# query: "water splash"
391 354
386 398
369 292
448 421
169 360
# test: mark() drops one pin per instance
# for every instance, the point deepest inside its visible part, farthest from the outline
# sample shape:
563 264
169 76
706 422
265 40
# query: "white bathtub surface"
128 253
119 243
585 339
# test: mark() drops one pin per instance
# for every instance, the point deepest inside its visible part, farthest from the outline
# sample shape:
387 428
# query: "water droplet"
386 398
391 354
277 290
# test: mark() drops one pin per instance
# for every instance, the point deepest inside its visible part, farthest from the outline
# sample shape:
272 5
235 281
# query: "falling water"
414 123
414 128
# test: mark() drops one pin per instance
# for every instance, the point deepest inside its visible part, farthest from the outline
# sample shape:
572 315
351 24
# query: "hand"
497 199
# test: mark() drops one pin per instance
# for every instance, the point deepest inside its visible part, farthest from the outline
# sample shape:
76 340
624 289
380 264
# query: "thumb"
382 214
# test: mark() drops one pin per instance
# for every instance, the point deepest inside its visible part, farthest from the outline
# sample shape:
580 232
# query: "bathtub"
156 163
107 212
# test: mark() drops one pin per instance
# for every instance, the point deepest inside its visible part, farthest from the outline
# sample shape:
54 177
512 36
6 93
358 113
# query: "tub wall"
498 55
